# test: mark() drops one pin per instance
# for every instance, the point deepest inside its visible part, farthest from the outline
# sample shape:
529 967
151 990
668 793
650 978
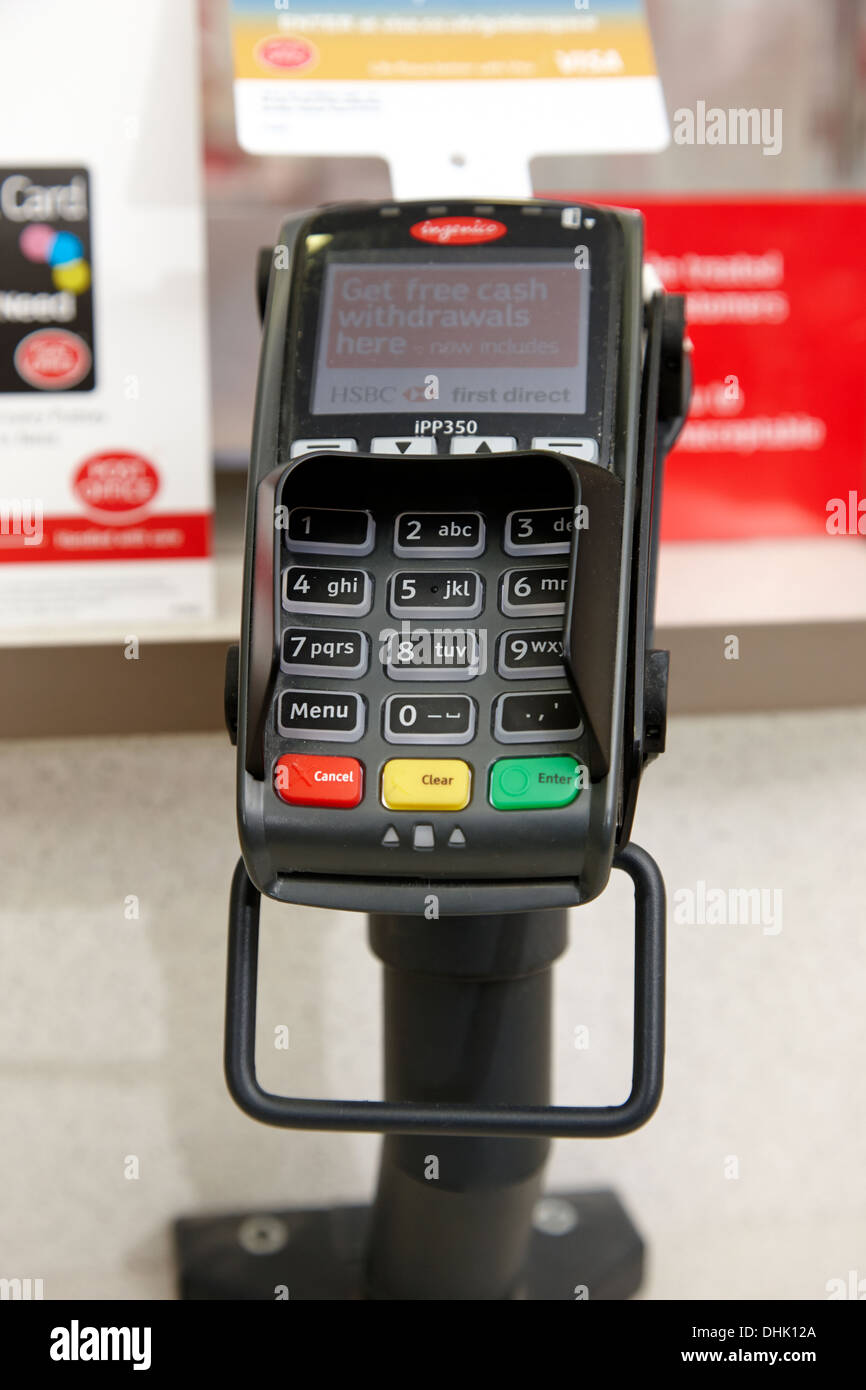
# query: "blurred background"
117 826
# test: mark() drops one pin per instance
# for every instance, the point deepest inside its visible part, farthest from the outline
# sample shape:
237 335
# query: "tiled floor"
110 1025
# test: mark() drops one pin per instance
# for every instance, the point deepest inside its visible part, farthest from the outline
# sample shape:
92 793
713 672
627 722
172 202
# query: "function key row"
546 716
421 654
428 535
429 784
571 445
538 592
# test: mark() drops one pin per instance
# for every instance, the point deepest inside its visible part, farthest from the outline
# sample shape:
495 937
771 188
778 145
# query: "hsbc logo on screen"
458 231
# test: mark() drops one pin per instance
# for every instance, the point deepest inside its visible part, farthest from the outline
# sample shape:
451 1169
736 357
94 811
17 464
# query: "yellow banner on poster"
305 51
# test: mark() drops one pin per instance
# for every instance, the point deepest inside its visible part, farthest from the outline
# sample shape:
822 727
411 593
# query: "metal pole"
467 1018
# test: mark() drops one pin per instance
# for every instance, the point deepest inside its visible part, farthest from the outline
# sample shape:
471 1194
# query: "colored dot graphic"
61 250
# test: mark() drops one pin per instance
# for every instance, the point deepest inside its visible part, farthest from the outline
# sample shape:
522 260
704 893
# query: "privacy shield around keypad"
421 701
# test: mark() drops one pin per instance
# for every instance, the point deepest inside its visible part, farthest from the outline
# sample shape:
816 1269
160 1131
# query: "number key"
330 651
314 590
431 593
432 654
538 592
546 531
431 534
330 531
530 652
429 719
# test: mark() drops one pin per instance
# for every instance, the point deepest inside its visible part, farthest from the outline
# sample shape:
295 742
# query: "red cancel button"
303 779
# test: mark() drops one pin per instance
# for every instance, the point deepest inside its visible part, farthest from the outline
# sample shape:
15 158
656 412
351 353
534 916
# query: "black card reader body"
446 649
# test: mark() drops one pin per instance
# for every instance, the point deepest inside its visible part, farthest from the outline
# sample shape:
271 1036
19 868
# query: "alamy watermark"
740 125
749 907
410 648
21 1290
22 518
852 1287
77 1343
846 516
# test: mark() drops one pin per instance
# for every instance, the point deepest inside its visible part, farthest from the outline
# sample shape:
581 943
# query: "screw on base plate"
554 1216
263 1235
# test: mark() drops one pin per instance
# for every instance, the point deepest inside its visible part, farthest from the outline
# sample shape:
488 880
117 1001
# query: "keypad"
469 664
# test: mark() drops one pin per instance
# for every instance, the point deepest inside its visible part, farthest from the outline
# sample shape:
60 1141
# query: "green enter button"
534 784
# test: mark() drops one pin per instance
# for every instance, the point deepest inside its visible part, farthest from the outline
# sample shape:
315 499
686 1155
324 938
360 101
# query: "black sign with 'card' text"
46 281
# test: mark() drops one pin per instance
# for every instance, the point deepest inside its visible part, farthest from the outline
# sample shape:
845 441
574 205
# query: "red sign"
116 482
776 308
458 231
53 359
174 536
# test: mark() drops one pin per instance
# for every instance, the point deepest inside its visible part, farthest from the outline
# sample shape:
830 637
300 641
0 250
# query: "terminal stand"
459 1212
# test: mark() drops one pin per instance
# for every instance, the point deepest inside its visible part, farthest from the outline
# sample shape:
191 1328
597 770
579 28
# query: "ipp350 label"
46 280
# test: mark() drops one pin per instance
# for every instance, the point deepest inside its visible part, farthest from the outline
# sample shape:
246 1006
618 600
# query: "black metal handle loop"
563 1122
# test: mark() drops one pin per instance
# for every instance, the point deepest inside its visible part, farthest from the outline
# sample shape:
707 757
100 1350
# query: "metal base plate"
583 1246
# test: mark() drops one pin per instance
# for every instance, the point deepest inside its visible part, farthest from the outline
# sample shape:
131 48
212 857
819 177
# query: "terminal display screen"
494 336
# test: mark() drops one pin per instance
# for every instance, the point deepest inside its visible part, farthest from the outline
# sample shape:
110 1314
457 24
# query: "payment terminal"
446 688
444 696
446 691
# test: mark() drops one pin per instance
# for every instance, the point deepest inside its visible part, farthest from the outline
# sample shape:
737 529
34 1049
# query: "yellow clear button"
426 784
